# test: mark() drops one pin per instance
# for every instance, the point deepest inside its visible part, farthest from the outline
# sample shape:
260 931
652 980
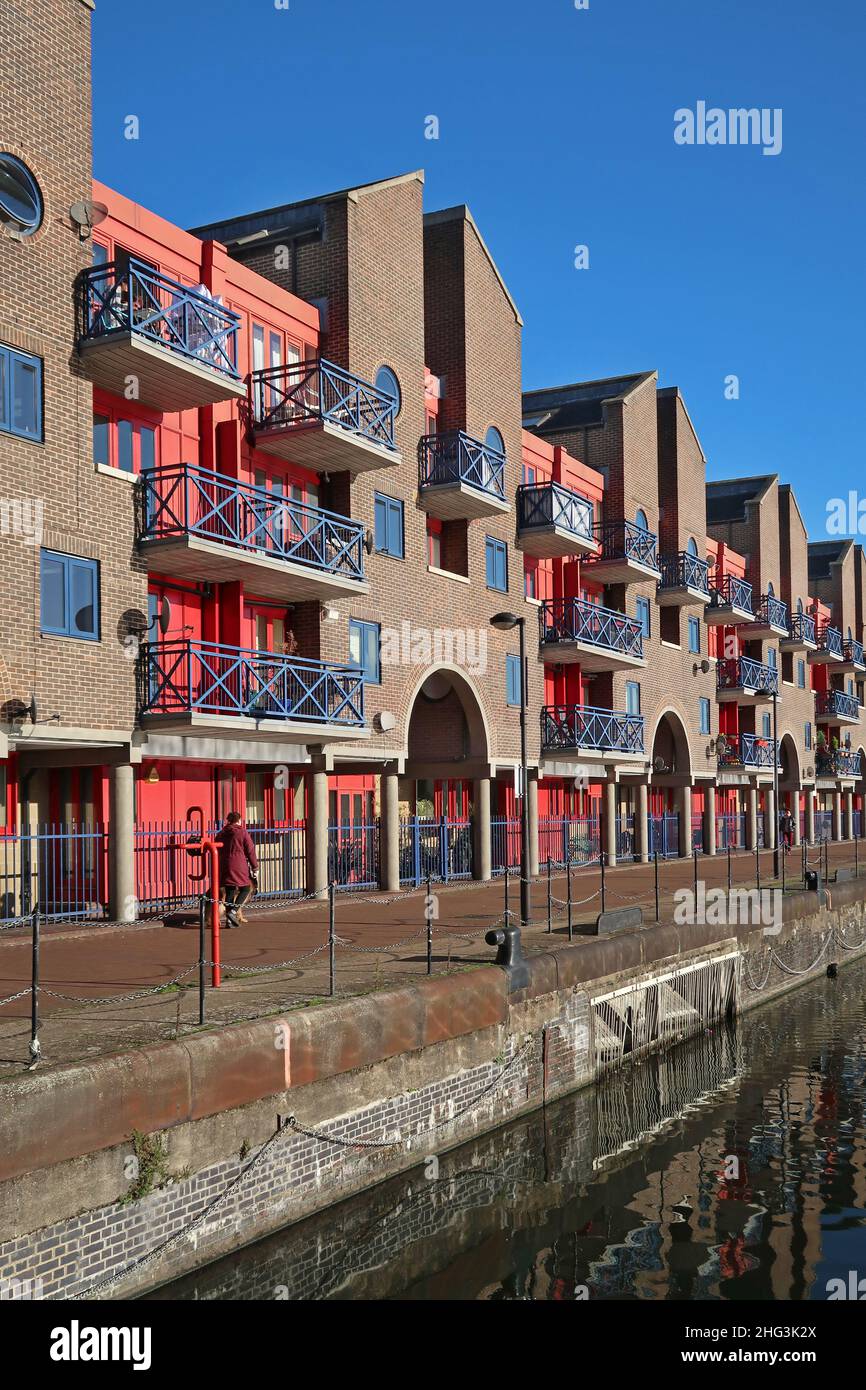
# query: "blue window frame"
766 726
801 674
771 658
364 649
694 635
512 680
20 393
496 553
632 697
69 596
704 708
807 736
642 613
388 525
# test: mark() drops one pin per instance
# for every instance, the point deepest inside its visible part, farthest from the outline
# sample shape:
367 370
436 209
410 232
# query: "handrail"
742 672
577 620
682 570
133 297
750 750
837 762
455 457
837 702
802 628
552 504
830 639
772 611
184 499
621 539
730 591
187 675
584 726
852 650
295 393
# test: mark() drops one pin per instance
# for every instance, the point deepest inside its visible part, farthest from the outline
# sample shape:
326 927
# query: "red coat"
237 856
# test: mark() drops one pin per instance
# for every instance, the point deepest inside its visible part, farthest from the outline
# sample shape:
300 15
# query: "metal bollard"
601 862
428 914
35 1048
202 970
549 896
568 895
656 869
332 944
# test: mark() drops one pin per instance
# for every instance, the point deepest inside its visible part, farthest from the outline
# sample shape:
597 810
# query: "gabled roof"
823 554
726 499
555 408
461 213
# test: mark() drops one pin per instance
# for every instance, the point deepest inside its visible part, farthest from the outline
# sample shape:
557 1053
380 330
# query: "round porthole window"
20 199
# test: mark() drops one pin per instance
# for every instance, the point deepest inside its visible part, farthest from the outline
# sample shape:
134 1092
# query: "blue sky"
556 127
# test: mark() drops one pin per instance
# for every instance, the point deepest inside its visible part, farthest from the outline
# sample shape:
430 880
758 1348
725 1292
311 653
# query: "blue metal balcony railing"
292 395
853 651
185 500
455 457
684 570
830 640
131 297
749 750
581 726
772 612
837 762
625 540
186 676
830 703
742 673
802 628
576 620
731 592
551 504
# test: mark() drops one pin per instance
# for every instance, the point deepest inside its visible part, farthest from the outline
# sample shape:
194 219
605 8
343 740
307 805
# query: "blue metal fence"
169 876
561 839
504 844
353 855
625 842
455 457
731 831
579 620
543 505
664 836
298 393
682 570
441 848
823 825
625 540
61 869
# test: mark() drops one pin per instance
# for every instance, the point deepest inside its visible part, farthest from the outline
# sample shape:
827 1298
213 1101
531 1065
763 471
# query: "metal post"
601 862
35 1048
856 863
695 858
332 944
656 874
784 857
549 896
568 894
525 904
826 861
775 784
757 863
729 866
202 925
506 891
428 913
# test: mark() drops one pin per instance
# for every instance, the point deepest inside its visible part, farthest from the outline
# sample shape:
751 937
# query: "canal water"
730 1167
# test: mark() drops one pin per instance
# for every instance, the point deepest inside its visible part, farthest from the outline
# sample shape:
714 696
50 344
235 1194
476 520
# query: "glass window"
632 697
147 446
435 542
388 525
766 725
20 198
69 596
801 674
100 440
641 519
808 735
692 546
512 679
704 706
694 635
642 613
364 649
497 565
387 383
493 440
124 446
771 658
20 393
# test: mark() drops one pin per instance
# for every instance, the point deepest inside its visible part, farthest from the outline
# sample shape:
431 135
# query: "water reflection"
731 1167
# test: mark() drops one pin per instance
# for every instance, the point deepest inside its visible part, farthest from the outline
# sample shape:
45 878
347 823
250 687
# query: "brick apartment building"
292 479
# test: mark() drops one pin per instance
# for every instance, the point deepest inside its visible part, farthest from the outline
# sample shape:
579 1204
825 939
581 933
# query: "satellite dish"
33 710
86 215
164 616
369 541
659 764
386 720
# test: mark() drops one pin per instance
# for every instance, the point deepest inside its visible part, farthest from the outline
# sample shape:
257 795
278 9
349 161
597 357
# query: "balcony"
748 753
196 524
730 603
322 417
600 639
836 707
802 634
459 477
178 344
626 553
206 688
553 520
829 648
684 579
837 763
580 728
853 662
770 620
743 681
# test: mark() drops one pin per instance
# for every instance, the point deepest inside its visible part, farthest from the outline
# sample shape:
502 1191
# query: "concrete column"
642 822
685 822
532 793
389 831
482 847
837 815
810 816
610 824
795 813
709 820
122 903
752 818
769 816
317 835
849 815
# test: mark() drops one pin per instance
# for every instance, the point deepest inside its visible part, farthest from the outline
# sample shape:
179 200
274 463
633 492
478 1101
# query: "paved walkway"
280 960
